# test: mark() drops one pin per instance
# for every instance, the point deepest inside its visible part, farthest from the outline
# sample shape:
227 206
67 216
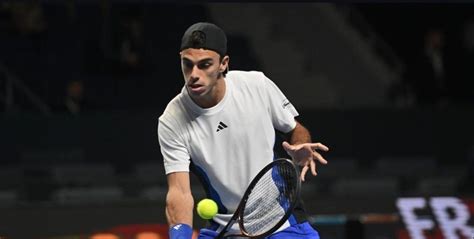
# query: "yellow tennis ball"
206 208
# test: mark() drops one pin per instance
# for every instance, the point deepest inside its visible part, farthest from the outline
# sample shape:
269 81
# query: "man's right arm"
179 201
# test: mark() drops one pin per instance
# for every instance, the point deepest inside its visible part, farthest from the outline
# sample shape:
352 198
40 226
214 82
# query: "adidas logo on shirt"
221 126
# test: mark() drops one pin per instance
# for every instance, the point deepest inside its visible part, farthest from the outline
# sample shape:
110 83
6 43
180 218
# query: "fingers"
305 155
320 158
292 147
303 172
309 165
286 145
312 164
313 146
319 146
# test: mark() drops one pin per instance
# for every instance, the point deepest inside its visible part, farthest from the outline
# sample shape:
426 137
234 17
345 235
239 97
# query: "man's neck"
214 97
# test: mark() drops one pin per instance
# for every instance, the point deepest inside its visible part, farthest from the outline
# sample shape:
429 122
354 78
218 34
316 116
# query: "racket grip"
220 235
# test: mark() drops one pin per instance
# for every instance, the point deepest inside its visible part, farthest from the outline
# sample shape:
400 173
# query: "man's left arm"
303 151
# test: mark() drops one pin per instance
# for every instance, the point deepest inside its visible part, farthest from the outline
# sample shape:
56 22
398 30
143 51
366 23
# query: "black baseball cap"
205 35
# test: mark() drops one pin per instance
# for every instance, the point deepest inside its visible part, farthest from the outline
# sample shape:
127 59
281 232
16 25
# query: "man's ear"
224 64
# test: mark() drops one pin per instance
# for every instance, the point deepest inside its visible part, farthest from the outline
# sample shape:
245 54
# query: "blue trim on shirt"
278 179
301 231
210 191
292 220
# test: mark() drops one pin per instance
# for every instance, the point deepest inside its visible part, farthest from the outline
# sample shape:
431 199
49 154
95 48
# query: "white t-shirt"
228 144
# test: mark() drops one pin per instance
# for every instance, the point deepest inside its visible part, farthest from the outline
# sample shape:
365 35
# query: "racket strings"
270 199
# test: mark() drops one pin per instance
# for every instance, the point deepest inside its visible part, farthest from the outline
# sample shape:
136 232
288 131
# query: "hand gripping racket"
268 201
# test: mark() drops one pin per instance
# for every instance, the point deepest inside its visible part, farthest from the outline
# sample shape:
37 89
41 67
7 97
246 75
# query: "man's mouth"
196 88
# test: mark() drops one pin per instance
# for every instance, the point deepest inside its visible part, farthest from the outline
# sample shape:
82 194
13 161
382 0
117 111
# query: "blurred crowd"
439 77
100 56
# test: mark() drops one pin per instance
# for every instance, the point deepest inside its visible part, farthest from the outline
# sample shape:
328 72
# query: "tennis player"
222 127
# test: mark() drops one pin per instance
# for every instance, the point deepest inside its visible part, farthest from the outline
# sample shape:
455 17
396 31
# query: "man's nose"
194 74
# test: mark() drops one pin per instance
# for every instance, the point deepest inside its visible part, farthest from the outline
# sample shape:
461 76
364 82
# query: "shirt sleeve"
175 155
282 111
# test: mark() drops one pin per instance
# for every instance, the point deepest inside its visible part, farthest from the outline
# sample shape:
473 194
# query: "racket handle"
225 229
220 235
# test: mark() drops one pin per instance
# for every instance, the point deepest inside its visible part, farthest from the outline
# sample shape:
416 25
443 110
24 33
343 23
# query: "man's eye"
204 65
188 65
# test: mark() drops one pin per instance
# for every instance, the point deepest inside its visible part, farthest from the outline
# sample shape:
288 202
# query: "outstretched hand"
305 154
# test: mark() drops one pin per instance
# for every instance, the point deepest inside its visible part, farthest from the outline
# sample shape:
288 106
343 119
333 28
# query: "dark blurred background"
388 87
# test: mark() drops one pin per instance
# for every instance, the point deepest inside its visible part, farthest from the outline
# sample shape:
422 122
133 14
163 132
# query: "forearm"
179 200
179 208
299 135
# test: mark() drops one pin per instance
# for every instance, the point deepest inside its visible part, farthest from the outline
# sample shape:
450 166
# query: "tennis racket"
268 201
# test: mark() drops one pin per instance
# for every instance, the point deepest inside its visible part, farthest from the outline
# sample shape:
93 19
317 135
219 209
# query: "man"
222 126
428 73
